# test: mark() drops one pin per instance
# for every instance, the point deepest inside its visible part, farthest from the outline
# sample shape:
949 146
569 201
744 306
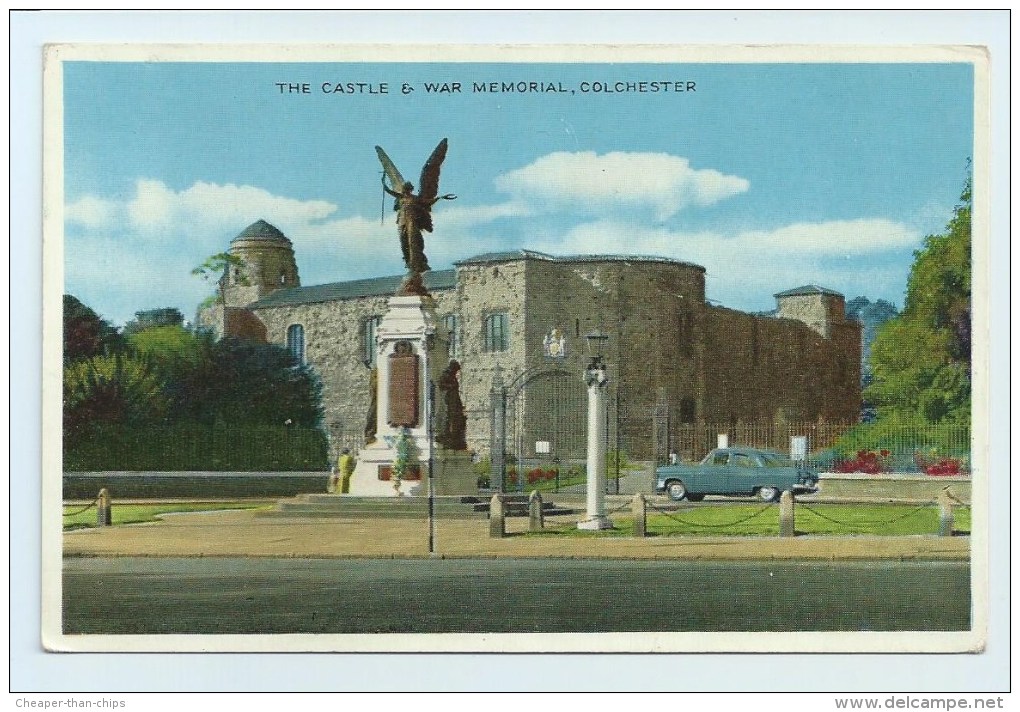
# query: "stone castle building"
666 343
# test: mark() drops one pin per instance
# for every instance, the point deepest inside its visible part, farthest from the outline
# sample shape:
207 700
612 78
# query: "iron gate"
542 406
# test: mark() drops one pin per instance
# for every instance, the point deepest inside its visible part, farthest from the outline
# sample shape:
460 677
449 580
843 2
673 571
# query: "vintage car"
736 471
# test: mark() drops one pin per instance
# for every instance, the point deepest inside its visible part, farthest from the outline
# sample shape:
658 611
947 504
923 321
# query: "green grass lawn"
135 513
762 520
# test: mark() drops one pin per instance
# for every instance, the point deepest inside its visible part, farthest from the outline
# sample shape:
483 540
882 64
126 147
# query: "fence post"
786 526
497 434
497 517
104 509
536 517
639 512
945 502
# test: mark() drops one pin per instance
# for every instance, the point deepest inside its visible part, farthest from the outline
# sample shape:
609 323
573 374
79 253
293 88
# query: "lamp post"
597 381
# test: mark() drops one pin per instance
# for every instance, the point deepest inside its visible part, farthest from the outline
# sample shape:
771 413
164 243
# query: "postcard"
515 348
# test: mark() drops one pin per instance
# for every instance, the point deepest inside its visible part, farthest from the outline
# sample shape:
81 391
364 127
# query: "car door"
714 475
745 471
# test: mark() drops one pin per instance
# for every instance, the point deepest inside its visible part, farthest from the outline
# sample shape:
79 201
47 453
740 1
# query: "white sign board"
798 447
722 440
542 447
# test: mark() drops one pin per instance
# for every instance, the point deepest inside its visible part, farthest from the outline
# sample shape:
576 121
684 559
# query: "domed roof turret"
261 231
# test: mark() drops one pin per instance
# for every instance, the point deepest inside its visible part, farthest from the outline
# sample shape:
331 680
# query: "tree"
86 334
218 266
920 361
244 383
110 390
171 351
152 318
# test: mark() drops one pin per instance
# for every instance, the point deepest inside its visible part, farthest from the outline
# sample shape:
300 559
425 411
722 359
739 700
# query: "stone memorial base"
452 474
373 475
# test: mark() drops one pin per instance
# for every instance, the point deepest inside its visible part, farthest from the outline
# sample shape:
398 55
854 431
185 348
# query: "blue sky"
769 175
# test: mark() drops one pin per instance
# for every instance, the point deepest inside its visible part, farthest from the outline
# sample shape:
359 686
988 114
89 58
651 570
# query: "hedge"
187 448
192 485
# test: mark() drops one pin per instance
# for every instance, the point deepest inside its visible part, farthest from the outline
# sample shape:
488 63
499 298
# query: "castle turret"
818 307
267 264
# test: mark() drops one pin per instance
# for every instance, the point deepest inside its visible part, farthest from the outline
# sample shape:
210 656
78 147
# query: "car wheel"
768 494
695 497
676 490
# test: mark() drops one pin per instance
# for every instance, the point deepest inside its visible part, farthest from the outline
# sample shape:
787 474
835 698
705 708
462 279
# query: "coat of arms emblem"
555 344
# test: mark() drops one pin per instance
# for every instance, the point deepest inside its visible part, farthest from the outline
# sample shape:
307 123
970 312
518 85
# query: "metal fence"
872 447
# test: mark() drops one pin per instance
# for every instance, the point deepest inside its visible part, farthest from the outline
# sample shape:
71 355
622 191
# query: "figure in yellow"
345 465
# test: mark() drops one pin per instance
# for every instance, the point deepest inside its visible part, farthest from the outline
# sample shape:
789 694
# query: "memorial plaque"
403 390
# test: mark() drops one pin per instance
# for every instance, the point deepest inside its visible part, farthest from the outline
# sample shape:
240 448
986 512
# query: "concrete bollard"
945 501
639 512
497 517
104 509
536 517
786 526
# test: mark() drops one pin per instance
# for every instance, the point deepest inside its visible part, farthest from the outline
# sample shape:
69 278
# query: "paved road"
177 595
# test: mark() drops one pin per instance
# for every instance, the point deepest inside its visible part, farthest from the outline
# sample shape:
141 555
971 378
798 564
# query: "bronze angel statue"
414 212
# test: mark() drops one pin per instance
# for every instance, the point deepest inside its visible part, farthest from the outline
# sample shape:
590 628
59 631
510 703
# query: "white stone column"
596 482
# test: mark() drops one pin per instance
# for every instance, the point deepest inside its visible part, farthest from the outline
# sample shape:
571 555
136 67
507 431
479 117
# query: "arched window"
296 342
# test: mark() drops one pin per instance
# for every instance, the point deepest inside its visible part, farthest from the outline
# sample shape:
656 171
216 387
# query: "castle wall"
760 368
484 289
334 348
709 364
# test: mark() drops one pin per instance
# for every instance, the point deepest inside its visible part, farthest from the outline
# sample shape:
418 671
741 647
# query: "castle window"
296 342
496 334
451 327
369 327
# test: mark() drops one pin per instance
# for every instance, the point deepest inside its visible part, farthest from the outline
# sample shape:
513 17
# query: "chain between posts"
622 507
668 515
86 508
867 522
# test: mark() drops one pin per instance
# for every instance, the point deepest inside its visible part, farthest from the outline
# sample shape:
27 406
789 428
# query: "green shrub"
192 447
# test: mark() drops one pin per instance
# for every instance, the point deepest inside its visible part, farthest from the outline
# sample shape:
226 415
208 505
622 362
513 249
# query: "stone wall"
709 364
484 289
658 343
759 368
334 348
819 311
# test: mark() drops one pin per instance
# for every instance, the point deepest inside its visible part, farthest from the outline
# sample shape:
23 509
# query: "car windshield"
771 459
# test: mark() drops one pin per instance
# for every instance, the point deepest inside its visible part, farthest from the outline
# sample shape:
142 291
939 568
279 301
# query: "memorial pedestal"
410 357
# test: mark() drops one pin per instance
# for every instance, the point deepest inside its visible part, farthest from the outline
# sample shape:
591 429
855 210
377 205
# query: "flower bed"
874 463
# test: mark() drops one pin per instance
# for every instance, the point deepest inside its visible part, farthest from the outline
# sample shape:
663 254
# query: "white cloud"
600 184
835 238
90 211
136 254
157 207
849 256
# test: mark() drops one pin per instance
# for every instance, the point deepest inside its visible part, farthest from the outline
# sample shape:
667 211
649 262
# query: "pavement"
244 534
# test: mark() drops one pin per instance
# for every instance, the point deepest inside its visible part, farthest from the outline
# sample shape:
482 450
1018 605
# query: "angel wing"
428 188
396 180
